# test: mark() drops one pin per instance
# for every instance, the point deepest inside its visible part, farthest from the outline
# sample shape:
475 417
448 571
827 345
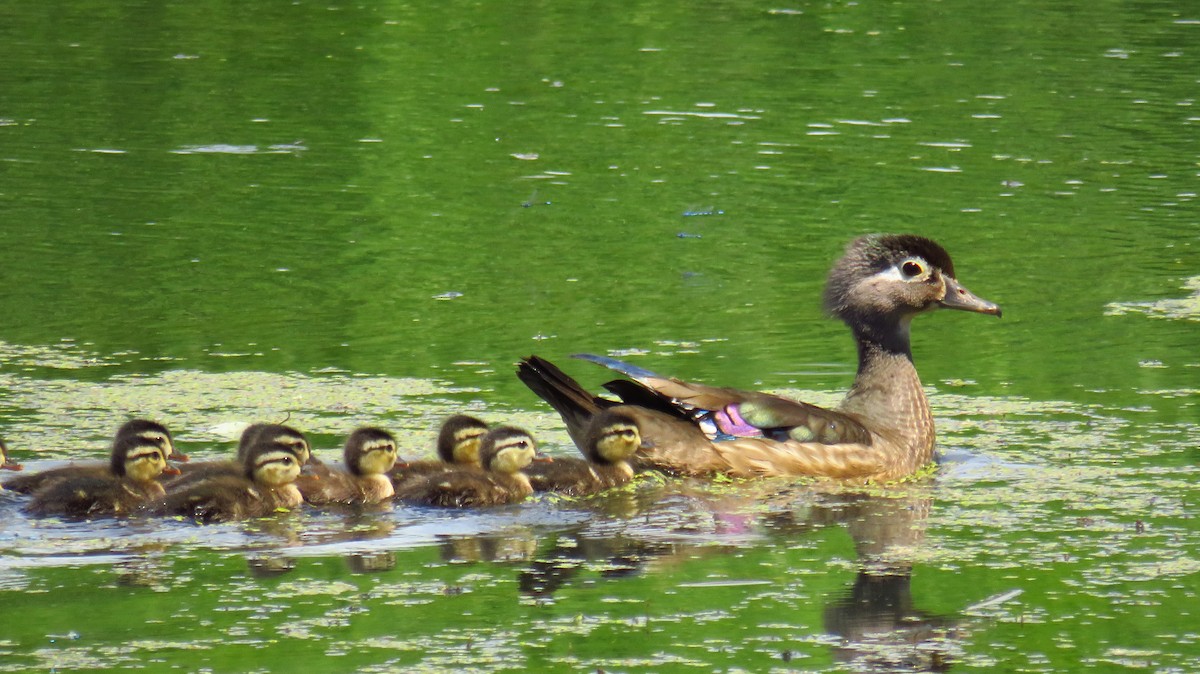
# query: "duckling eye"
911 268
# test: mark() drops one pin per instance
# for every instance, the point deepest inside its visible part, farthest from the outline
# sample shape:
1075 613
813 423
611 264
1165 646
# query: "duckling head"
507 449
460 439
612 437
151 432
5 462
277 433
140 459
370 451
272 464
884 280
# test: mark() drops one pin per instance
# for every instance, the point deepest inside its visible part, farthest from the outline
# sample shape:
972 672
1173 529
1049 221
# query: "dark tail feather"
573 402
634 393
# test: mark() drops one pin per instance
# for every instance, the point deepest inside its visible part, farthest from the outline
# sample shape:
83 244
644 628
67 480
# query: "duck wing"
726 413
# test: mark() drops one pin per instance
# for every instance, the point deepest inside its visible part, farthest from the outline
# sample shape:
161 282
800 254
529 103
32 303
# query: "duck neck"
887 392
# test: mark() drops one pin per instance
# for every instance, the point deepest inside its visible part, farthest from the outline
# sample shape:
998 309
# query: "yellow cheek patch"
380 458
275 469
618 443
513 459
144 464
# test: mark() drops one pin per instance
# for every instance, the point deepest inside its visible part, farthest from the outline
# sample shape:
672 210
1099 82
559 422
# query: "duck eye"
911 268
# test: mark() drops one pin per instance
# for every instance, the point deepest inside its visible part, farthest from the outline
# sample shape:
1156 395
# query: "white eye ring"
911 268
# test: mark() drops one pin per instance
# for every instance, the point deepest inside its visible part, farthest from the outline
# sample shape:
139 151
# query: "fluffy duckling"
266 485
457 445
132 479
131 431
609 443
369 454
505 451
5 462
284 435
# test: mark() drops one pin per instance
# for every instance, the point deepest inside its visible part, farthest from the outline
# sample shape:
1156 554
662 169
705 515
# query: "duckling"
505 450
284 435
611 440
266 485
5 462
152 432
457 445
132 479
369 454
882 430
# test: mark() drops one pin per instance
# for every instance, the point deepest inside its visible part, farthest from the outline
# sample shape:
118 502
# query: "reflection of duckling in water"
265 486
457 445
134 467
369 454
131 431
505 451
609 442
285 436
5 462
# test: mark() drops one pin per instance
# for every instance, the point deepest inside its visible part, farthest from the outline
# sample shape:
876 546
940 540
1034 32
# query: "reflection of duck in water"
882 430
134 467
505 451
369 454
457 445
132 431
609 443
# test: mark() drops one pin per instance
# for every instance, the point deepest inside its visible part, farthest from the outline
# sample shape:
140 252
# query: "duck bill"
10 465
171 470
542 458
958 297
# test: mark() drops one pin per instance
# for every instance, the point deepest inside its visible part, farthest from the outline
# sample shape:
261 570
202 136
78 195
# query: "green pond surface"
349 214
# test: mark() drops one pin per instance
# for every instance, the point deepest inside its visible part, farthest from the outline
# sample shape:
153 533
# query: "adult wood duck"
131 431
882 430
266 485
286 436
132 479
505 451
369 454
609 443
457 445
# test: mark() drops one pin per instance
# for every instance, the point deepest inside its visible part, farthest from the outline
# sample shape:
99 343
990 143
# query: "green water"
350 214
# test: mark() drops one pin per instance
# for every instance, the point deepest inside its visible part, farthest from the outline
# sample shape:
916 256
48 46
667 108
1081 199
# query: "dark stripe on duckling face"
145 462
272 464
612 437
507 449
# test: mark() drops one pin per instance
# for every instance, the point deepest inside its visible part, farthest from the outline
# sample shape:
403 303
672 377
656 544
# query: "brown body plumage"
130 480
369 454
143 429
266 486
882 430
506 451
